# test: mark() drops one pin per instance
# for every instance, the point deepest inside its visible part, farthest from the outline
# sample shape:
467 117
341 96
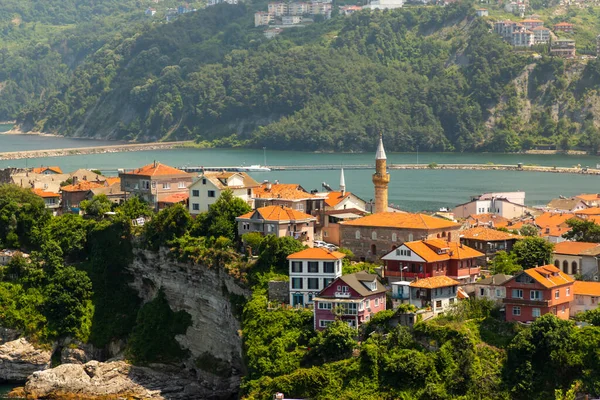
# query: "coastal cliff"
19 359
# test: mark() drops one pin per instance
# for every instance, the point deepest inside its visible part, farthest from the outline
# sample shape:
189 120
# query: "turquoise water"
5 127
4 390
412 190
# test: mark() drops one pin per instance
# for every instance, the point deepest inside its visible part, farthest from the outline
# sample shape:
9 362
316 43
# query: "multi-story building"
505 28
278 9
563 205
279 221
433 257
488 241
482 12
384 4
590 199
509 205
51 199
353 298
207 188
215 2
522 37
587 296
491 287
72 195
318 8
541 35
577 258
564 48
532 23
373 236
155 181
330 232
311 271
538 291
298 8
564 27
438 293
349 10
291 19
262 18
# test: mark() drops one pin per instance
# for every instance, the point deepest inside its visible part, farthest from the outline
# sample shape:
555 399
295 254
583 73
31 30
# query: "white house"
438 293
341 199
491 287
311 271
384 4
7 255
506 204
587 296
209 185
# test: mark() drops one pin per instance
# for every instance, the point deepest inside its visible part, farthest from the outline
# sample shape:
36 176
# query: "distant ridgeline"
432 78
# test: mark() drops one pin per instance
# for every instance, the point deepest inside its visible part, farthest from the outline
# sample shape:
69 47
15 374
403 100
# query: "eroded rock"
19 359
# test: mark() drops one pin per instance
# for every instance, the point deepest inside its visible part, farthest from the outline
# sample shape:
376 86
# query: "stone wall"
206 294
279 291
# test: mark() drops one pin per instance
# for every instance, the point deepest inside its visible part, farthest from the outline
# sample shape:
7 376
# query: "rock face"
19 359
205 293
111 380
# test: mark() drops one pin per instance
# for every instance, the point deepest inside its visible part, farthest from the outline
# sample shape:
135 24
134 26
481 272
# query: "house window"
517 293
498 293
357 235
249 192
368 303
563 309
324 305
410 237
327 281
325 234
451 301
166 186
535 312
481 291
297 266
328 267
516 310
438 303
211 193
246 226
394 237
196 207
324 323
345 289
376 302
565 266
574 267
557 263
568 292
153 184
313 266
204 181
535 295
557 294
195 193
297 299
313 283
374 235
181 185
296 283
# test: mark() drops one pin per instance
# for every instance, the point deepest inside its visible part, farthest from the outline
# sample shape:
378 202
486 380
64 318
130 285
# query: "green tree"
583 231
167 225
70 232
505 263
528 230
220 218
333 344
273 252
532 252
23 216
134 208
97 206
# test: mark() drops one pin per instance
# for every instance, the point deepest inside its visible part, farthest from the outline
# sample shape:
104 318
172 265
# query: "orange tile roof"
545 276
284 191
563 24
113 180
552 219
175 198
278 213
401 221
586 288
488 234
429 250
82 186
589 211
42 193
594 218
589 197
573 248
425 252
434 282
497 220
41 170
156 169
554 231
318 253
334 198
532 20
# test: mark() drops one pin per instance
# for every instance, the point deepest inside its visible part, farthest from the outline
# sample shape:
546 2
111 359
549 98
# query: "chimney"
75 180
154 163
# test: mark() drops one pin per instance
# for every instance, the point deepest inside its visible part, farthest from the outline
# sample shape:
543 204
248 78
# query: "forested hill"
432 77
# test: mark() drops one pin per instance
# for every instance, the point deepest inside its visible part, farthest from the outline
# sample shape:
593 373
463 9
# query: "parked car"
331 247
319 243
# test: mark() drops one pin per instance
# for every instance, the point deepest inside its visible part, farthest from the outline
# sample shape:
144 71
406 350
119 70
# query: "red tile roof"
283 191
589 211
589 197
42 193
175 198
334 198
156 169
552 219
586 288
317 253
429 250
488 234
497 220
82 186
278 213
434 282
401 221
549 276
573 248
41 170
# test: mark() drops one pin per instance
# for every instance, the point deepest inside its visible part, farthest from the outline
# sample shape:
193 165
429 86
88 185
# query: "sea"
4 390
411 190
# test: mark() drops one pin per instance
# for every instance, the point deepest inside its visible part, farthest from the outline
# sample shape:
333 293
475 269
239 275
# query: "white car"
331 247
319 243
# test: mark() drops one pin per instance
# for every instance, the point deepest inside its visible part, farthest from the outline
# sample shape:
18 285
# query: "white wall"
304 275
582 303
490 292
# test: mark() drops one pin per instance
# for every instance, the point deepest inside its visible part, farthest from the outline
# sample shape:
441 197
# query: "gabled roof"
355 282
589 196
563 204
573 248
401 221
548 276
156 169
586 288
282 191
334 198
532 20
552 219
487 219
487 234
554 231
113 180
44 194
317 253
434 250
174 198
278 213
589 211
41 170
83 186
434 282
497 279
86 175
219 179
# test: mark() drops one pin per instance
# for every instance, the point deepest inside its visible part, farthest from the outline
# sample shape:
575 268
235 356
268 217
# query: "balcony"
527 302
463 272
342 295
406 274
400 296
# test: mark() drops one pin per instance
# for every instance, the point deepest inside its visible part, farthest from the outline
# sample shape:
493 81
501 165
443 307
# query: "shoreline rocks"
19 359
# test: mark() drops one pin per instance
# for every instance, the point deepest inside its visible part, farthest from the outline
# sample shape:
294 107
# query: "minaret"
342 183
381 178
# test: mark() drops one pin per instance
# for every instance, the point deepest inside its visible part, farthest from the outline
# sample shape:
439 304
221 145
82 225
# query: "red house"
353 298
538 291
433 257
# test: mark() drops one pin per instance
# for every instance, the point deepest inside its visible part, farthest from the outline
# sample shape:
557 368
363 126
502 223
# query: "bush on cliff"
23 215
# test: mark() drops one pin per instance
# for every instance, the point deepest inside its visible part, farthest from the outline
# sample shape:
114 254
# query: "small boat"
254 168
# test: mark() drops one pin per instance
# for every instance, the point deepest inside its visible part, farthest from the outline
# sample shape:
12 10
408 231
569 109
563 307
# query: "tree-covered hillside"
435 78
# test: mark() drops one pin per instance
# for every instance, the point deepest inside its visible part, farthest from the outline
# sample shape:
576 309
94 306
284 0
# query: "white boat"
254 168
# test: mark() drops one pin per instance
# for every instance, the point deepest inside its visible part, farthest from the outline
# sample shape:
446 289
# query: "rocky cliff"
19 359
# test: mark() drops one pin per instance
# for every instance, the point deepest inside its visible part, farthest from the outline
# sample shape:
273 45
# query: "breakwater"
120 148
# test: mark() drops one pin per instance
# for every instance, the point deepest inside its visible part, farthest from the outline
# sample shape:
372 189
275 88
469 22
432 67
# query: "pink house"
353 298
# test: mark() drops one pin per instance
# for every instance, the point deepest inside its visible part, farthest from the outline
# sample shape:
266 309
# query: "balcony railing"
343 295
527 302
406 274
468 271
400 296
